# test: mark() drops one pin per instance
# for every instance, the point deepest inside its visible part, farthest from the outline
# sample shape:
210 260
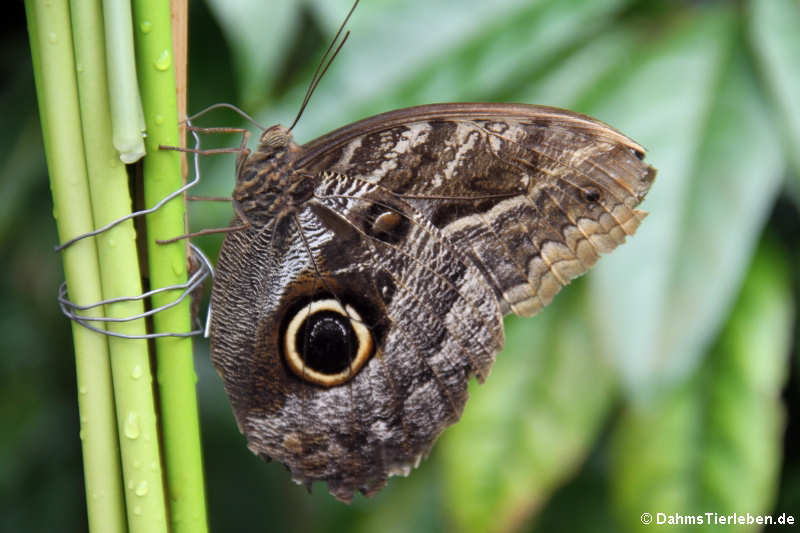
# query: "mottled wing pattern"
432 222
533 194
435 320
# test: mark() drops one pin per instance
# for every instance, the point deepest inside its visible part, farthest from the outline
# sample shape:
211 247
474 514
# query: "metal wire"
156 207
206 270
70 309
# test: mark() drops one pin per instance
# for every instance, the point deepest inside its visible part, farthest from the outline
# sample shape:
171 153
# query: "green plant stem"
162 175
119 272
126 106
54 69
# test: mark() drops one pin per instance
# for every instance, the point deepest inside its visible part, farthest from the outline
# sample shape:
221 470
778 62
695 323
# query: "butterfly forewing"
534 194
424 225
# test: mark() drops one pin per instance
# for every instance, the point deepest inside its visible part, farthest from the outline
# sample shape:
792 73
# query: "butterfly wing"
434 322
534 193
426 225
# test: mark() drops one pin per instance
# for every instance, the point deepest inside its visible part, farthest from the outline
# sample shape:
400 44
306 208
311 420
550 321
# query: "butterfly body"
266 186
378 261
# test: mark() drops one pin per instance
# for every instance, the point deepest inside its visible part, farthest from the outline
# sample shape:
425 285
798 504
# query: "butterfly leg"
193 198
241 149
211 231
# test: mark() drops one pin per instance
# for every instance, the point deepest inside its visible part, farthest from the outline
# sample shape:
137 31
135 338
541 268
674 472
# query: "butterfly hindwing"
435 324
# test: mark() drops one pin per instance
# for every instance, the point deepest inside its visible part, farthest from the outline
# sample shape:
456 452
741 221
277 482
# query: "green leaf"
776 41
509 53
713 444
659 299
258 34
532 423
406 53
575 74
733 188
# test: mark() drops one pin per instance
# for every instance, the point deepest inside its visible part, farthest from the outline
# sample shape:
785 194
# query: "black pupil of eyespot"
326 342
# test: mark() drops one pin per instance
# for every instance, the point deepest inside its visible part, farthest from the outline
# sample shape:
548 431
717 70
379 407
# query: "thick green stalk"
162 175
126 106
119 273
54 69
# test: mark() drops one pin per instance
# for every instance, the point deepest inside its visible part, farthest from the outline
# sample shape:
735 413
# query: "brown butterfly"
372 268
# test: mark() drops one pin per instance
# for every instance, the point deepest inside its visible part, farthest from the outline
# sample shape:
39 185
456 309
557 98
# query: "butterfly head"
274 139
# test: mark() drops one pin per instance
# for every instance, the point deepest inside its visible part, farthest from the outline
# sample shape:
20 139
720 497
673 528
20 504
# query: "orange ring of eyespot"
296 363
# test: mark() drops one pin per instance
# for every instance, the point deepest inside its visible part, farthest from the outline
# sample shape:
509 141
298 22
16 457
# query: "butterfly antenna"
323 66
315 82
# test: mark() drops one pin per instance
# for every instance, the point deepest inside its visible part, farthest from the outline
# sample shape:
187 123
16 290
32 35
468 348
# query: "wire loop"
72 310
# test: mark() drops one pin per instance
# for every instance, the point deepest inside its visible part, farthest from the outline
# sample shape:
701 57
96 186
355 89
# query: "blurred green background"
666 380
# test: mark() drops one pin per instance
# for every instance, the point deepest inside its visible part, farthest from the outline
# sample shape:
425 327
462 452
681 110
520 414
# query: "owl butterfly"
370 270
376 263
